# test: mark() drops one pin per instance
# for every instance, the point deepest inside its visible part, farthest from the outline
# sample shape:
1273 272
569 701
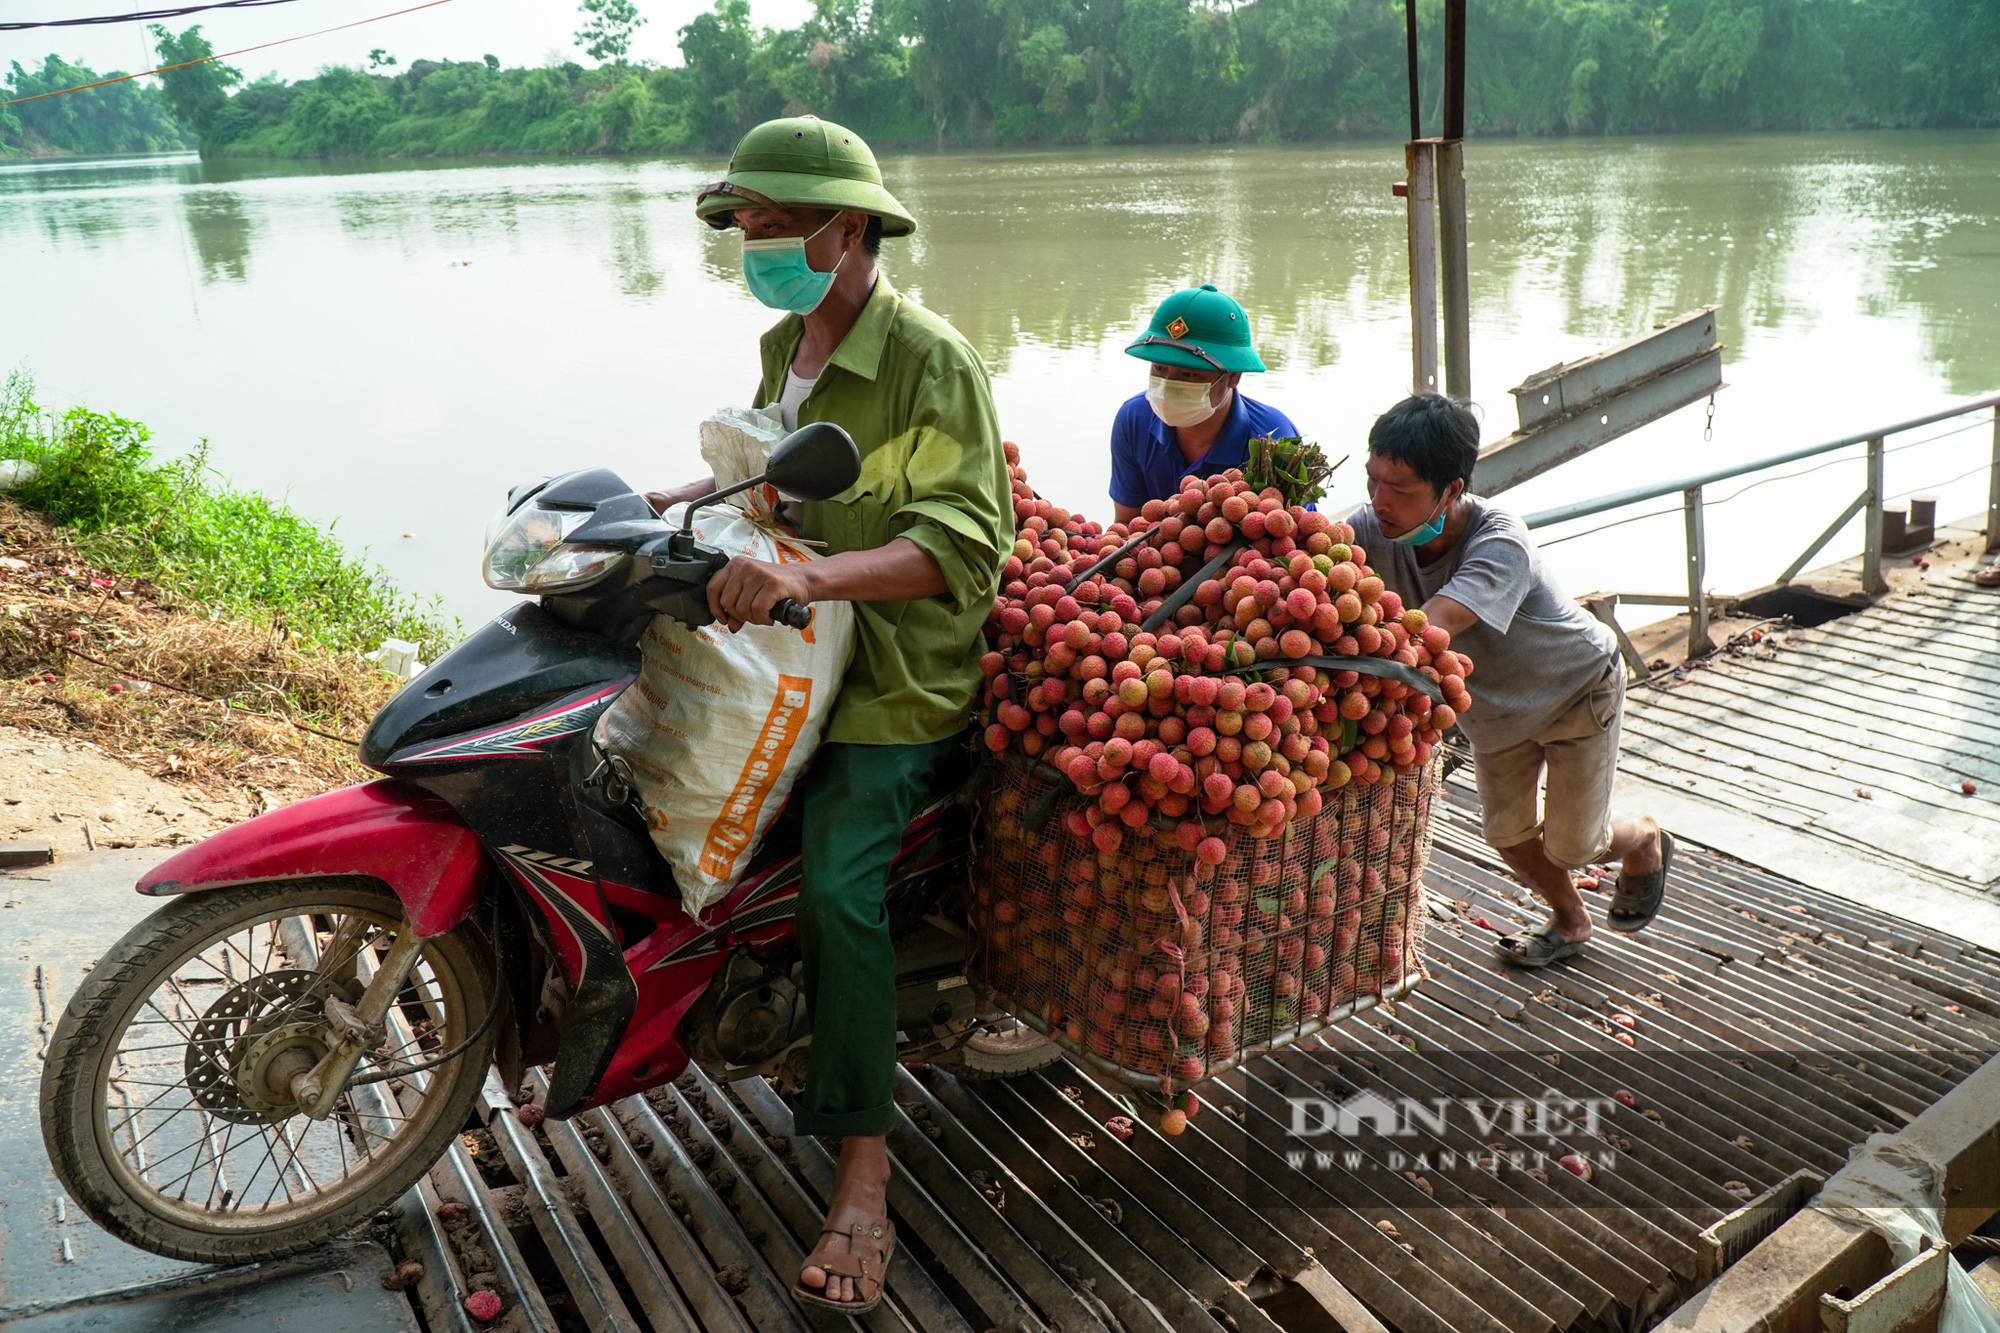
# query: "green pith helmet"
1199 329
802 162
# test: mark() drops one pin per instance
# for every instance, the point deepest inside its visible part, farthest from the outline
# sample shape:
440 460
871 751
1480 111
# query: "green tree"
607 29
622 115
1709 63
198 92
1606 86
1296 43
125 117
989 72
1153 38
1050 65
725 99
340 115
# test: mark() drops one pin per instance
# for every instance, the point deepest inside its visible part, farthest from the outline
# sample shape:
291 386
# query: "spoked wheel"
168 1100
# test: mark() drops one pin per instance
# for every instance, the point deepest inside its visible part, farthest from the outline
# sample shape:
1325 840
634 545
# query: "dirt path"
75 795
131 719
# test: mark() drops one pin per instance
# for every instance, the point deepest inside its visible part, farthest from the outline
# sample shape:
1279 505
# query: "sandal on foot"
1538 948
1988 577
871 1241
1637 899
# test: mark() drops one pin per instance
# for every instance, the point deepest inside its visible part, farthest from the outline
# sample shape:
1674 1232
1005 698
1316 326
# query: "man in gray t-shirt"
1547 687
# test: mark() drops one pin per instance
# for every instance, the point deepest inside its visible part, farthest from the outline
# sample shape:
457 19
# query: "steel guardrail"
1659 491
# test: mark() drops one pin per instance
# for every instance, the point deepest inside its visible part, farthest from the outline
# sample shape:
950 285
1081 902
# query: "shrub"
179 525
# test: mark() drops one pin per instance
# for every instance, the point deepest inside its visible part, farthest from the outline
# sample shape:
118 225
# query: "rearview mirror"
815 462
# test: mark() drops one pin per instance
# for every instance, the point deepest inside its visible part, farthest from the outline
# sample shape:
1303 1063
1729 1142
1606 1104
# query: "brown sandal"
870 1243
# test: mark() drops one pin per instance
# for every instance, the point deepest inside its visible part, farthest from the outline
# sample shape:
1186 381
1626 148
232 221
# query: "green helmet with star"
1199 329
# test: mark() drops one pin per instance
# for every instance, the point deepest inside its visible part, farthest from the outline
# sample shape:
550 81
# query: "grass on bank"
202 633
175 525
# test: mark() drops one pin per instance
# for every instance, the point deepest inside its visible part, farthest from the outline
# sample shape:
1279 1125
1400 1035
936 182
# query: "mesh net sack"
1163 967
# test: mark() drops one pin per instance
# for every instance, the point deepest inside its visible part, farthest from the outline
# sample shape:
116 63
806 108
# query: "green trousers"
858 800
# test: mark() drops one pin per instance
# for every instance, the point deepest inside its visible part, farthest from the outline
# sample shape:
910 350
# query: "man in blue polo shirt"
1190 420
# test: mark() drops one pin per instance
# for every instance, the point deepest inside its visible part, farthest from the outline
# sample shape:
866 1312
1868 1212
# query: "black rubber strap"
1037 818
1180 345
1181 594
1387 668
1130 546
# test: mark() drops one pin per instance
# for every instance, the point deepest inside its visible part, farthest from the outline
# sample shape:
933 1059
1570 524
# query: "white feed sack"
719 726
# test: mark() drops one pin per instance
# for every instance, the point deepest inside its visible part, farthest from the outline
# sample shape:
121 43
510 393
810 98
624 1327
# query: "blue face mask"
779 276
1429 532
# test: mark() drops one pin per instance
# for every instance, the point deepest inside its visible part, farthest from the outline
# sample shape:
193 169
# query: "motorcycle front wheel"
162 1099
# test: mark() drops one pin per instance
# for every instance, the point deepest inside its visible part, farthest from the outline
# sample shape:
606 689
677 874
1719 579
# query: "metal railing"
1868 504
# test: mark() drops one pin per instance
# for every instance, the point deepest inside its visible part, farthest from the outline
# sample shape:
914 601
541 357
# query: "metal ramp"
1774 1026
1838 753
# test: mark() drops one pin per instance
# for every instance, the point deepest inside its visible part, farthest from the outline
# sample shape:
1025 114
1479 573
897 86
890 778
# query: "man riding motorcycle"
917 545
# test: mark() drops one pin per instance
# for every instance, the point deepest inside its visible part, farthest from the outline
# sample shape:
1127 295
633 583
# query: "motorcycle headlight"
570 567
516 543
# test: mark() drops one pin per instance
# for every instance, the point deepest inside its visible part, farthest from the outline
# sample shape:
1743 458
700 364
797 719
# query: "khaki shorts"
1580 752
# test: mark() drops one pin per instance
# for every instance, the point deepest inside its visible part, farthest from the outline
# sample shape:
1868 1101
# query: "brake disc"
234 1041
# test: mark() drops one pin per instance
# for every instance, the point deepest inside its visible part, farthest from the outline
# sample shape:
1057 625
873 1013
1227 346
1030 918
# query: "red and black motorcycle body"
495 800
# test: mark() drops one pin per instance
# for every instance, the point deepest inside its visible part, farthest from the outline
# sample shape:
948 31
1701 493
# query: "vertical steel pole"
1993 490
1697 574
1872 581
1422 159
1454 69
1450 165
1454 269
1416 84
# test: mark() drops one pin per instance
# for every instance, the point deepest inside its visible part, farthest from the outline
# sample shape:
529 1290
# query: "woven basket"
1162 970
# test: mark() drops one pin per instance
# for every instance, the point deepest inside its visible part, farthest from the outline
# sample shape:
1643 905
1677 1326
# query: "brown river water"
393 344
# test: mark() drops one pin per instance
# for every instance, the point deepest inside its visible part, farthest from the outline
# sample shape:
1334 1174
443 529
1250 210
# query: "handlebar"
788 612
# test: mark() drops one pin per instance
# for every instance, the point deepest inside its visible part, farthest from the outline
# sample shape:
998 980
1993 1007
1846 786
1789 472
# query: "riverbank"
177 525
214 716
1147 71
201 637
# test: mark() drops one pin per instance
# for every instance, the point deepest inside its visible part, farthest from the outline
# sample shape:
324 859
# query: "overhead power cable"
224 55
139 17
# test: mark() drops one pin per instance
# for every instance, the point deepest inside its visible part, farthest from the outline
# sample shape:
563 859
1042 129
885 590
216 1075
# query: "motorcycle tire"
119 1150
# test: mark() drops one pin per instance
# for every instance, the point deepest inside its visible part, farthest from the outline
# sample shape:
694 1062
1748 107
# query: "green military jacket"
914 395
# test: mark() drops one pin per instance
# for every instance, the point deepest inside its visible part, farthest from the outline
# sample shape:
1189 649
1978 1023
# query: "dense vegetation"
979 72
175 526
118 118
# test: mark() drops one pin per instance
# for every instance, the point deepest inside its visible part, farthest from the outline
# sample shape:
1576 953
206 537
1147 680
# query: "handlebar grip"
789 612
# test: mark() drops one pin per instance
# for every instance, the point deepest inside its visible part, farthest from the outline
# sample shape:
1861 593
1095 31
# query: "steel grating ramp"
1775 1026
1841 754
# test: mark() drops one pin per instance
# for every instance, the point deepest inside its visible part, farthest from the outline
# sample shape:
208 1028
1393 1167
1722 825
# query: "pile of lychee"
1146 719
1199 883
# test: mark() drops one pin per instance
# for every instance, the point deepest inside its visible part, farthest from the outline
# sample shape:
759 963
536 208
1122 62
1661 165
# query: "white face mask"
1179 403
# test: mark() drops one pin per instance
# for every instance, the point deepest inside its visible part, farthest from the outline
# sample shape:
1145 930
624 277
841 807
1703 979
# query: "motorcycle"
292 1040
